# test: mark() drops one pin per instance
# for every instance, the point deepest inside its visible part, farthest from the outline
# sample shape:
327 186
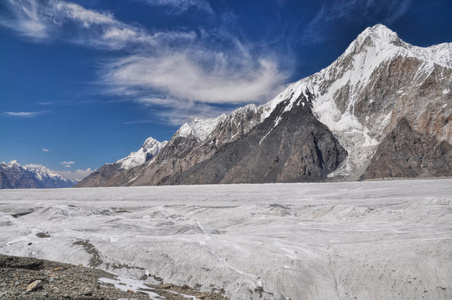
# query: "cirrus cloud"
209 67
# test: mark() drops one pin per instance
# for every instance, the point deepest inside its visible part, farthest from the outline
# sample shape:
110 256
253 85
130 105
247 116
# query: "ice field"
354 240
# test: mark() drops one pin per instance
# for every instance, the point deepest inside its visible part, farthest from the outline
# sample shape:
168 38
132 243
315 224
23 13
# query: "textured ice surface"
369 240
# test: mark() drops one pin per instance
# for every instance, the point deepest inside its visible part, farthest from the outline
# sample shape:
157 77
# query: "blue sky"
85 82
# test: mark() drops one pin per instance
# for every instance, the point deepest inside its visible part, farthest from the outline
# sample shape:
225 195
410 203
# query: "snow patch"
126 284
149 149
199 128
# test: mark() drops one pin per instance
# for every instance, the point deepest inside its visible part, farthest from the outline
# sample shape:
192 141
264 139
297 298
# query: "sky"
85 82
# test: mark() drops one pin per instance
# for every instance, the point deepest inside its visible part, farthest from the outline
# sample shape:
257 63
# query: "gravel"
32 278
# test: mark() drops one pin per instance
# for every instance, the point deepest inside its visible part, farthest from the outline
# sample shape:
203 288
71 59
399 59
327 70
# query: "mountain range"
15 176
383 109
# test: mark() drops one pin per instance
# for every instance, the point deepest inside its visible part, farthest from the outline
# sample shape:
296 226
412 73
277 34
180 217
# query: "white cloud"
22 114
27 18
74 175
67 164
41 20
85 17
102 29
183 76
45 150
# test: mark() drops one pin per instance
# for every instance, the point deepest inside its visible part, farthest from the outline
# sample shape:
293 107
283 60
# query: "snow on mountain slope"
148 150
200 128
378 80
14 175
42 172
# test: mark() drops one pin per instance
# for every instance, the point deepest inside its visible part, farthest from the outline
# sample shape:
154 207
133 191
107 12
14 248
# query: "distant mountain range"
15 176
383 109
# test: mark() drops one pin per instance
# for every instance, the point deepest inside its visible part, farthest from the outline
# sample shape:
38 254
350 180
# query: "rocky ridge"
13 175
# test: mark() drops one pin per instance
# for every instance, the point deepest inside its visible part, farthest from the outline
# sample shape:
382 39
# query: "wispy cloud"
184 76
176 111
188 68
67 164
42 20
324 24
45 150
27 18
179 6
23 114
137 122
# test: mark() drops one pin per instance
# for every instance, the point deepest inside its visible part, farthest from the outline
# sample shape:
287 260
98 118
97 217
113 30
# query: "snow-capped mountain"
14 175
380 94
378 80
147 151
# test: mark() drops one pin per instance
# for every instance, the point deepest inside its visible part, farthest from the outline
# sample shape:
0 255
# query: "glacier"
369 240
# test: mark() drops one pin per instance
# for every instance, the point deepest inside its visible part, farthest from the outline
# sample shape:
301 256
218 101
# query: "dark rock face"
104 176
289 146
407 153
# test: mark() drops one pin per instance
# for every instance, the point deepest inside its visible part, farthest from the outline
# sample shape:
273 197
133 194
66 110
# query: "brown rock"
35 285
407 153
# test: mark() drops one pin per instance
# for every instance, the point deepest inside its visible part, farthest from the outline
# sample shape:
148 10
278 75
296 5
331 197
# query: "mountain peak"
13 163
150 143
147 151
380 32
198 128
378 37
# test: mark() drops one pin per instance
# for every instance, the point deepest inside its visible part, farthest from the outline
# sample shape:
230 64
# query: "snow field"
369 240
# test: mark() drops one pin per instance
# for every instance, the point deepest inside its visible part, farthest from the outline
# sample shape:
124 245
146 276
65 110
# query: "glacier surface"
369 240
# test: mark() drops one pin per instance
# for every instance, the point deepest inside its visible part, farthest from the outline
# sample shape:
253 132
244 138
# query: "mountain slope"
108 173
298 148
13 176
328 125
